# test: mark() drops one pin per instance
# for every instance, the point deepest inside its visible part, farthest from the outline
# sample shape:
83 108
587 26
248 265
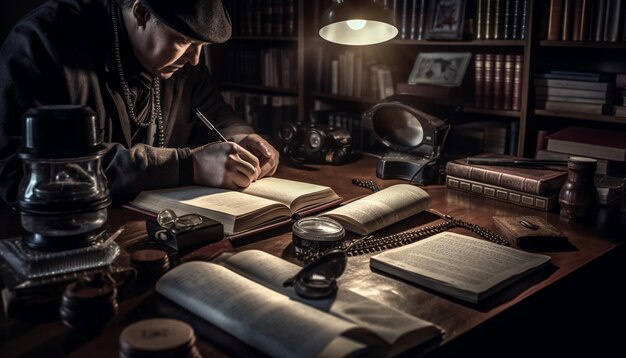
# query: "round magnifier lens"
319 233
314 140
166 218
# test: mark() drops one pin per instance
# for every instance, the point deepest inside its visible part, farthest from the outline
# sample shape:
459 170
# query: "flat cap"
204 20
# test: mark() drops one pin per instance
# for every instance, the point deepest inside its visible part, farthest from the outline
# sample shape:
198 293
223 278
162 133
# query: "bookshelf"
539 54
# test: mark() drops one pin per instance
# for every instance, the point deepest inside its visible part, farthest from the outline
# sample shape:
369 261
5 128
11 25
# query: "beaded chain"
369 184
156 115
370 243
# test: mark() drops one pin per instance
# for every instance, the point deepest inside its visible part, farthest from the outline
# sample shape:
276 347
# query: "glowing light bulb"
356 24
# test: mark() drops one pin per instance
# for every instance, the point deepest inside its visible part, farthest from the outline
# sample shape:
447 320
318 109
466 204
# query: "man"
139 65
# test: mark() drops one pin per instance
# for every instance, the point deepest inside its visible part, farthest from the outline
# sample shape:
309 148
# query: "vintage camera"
314 143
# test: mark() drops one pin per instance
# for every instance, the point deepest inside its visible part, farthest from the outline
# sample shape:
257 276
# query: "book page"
458 265
397 328
235 210
269 321
381 209
296 195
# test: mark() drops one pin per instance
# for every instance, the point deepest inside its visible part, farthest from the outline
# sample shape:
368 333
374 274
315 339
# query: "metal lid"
60 131
319 229
157 337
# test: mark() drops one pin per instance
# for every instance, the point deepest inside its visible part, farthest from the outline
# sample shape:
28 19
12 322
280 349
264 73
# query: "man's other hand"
225 165
268 156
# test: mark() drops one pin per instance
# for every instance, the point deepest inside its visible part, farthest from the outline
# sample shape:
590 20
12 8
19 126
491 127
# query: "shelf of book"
584 116
472 43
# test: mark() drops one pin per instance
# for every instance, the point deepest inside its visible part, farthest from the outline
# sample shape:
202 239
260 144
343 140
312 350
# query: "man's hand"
225 165
268 156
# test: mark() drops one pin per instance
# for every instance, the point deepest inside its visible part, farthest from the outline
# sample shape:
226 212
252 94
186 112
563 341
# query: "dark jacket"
62 53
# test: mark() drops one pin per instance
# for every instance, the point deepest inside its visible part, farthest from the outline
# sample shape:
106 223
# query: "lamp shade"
357 22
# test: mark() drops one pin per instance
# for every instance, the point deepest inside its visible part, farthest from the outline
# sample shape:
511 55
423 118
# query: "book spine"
494 177
422 20
266 17
413 22
479 19
498 81
599 13
585 20
506 30
487 20
523 19
577 20
289 26
507 100
567 23
497 33
555 18
517 82
488 77
539 202
516 21
479 80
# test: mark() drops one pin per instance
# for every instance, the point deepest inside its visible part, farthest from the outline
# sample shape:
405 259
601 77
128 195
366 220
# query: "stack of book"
607 146
581 92
536 188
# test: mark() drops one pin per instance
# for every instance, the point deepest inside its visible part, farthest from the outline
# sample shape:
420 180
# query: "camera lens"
314 140
287 132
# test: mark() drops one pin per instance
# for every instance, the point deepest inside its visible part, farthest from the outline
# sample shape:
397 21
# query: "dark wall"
11 11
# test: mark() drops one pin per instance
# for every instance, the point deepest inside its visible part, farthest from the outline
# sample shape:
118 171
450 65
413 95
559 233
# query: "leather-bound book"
497 32
568 20
517 82
523 15
555 20
585 20
479 80
531 180
480 14
599 13
498 81
488 76
507 27
487 19
507 99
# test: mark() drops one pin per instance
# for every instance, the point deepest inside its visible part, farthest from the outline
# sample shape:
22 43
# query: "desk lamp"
357 22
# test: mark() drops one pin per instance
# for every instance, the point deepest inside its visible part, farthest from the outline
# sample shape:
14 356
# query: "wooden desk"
565 309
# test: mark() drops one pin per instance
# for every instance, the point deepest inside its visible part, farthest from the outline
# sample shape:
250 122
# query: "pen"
210 125
514 162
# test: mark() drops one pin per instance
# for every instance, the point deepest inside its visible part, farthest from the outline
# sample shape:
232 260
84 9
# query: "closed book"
480 14
479 80
487 19
576 107
521 32
568 20
578 76
558 83
488 76
507 100
605 167
590 142
569 92
543 97
498 81
497 32
555 20
539 202
599 13
538 181
517 82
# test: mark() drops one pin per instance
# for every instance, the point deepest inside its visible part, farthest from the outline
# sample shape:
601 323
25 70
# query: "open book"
458 265
243 294
381 209
265 203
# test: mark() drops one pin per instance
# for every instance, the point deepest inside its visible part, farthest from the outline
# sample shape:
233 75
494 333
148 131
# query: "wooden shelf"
584 116
493 112
472 43
234 85
583 44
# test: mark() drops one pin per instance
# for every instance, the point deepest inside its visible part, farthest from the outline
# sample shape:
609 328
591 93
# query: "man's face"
161 49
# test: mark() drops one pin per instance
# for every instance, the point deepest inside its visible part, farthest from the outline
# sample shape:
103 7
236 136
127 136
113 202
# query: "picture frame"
445 19
440 68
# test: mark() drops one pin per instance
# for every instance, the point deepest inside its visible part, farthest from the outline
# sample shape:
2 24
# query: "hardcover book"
266 203
243 294
458 265
538 181
590 142
539 202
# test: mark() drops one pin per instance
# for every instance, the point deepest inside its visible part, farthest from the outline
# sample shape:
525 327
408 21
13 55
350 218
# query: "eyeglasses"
169 220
